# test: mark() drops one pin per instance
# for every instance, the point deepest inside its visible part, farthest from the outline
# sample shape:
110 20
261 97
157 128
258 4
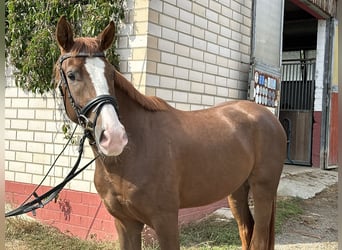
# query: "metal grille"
297 86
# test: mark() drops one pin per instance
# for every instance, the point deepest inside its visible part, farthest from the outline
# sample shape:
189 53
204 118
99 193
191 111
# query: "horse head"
86 81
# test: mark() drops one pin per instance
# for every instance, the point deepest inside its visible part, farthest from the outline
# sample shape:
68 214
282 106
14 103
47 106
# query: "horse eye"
71 76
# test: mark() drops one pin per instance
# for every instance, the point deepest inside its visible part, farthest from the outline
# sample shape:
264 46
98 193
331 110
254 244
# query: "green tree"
30 34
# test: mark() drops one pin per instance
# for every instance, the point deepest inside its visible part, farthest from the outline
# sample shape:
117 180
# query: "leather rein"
96 105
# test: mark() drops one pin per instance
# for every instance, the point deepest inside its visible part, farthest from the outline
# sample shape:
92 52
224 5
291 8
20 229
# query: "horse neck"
132 101
128 107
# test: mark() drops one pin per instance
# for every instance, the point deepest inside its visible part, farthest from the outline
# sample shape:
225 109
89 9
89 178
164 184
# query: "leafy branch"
30 34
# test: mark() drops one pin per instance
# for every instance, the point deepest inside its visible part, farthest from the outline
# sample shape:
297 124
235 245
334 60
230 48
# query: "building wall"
194 54
320 57
76 213
333 124
197 53
33 138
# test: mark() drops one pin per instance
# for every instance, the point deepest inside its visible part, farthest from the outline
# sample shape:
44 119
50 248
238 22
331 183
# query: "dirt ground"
317 227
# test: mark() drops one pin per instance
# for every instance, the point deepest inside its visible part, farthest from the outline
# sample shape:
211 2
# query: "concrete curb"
304 182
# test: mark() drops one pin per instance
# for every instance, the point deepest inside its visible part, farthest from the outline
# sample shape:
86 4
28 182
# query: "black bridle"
95 105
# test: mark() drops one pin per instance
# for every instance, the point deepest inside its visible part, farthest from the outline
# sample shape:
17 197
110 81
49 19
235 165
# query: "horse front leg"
129 232
166 228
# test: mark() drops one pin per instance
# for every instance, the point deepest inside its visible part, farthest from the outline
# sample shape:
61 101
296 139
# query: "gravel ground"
317 227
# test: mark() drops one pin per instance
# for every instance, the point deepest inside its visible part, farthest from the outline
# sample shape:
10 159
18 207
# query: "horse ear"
64 34
106 37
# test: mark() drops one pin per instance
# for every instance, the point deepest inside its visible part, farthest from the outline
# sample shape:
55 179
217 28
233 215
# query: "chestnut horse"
157 159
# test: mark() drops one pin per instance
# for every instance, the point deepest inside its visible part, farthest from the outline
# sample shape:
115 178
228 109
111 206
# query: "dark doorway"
300 28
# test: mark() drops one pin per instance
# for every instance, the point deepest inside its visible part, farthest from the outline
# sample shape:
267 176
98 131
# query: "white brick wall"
33 138
194 54
197 51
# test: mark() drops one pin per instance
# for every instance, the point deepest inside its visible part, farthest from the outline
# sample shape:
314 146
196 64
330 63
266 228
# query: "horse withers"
157 159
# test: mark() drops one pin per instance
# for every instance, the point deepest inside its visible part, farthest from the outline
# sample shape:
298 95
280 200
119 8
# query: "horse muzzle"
105 126
110 134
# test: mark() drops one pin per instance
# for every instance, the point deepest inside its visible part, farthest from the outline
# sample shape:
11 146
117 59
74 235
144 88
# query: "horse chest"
117 194
122 206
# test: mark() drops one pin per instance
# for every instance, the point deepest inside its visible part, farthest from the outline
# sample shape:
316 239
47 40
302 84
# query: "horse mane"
151 103
91 45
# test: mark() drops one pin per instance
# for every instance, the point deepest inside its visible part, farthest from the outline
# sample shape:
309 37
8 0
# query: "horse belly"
206 181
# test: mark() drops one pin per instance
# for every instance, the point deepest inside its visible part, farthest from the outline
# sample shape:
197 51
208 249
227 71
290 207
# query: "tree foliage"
30 34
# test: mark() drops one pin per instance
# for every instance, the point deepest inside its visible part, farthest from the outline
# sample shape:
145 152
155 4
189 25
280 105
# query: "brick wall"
75 213
33 138
194 54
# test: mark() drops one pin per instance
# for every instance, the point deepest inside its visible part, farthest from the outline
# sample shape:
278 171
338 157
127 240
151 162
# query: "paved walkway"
305 182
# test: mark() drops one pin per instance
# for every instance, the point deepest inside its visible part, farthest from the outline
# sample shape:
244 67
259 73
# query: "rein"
42 200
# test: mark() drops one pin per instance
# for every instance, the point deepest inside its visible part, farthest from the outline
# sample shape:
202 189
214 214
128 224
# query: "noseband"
95 105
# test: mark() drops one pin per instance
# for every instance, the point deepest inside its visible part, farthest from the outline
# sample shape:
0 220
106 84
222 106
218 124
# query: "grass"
37 236
287 208
213 233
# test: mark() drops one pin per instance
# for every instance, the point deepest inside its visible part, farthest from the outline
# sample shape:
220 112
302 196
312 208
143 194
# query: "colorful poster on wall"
265 89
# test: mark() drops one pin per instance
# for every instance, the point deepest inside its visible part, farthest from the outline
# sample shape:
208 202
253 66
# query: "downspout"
325 120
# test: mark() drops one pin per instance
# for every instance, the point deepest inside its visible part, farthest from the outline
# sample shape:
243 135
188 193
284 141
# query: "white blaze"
96 70
110 134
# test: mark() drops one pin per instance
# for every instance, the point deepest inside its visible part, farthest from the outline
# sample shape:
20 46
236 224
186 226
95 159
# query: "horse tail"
271 237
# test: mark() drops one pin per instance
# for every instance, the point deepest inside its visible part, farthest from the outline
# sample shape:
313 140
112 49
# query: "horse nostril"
125 137
111 142
103 138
